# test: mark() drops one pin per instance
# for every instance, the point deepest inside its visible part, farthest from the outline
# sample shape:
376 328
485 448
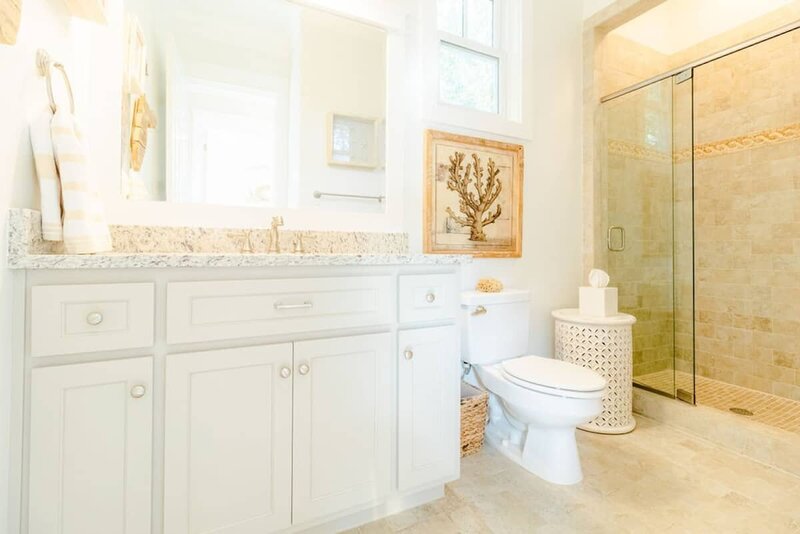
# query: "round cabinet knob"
431 297
138 391
286 372
304 369
408 354
94 318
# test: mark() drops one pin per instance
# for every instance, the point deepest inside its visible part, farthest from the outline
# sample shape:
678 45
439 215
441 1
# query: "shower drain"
741 411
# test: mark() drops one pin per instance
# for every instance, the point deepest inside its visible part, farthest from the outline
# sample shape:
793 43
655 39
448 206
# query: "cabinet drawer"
90 318
428 297
206 311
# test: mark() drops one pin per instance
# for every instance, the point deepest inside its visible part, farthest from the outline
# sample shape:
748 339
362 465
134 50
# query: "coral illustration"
476 206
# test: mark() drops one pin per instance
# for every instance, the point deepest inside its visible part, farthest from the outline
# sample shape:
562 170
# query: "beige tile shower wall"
625 63
638 172
747 216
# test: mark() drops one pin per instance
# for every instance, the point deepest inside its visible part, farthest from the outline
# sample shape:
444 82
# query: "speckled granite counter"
159 261
142 247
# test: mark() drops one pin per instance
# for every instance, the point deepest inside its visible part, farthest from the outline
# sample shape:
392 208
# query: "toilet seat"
554 377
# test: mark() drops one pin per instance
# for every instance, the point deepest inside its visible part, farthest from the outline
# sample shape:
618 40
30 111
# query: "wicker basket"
474 409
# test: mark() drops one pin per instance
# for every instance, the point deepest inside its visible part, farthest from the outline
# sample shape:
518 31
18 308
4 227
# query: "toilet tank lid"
475 298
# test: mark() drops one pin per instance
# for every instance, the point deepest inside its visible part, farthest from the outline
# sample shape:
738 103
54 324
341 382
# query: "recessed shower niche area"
697 205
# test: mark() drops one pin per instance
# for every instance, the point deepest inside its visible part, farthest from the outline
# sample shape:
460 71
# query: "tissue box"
598 301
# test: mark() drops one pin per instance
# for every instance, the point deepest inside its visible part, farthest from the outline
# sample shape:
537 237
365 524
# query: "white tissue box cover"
598 301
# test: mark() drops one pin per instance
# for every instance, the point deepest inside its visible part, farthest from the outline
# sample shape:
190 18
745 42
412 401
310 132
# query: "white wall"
550 266
590 7
22 94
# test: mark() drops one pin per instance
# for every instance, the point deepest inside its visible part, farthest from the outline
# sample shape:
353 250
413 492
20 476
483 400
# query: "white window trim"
512 22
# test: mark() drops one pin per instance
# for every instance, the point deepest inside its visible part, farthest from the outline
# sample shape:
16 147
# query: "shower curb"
765 444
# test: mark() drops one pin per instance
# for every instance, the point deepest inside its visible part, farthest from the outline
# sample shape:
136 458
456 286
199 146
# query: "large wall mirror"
253 103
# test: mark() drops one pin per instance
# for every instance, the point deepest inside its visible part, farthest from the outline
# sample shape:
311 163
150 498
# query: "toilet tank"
495 325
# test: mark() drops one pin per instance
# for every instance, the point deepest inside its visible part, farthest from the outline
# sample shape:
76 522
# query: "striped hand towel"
85 227
49 183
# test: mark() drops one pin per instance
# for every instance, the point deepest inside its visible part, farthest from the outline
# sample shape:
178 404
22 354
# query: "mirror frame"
121 211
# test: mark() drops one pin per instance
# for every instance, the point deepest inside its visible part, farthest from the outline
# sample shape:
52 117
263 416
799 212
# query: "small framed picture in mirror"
354 141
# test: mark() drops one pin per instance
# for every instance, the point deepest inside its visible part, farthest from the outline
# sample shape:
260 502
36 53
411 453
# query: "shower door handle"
610 238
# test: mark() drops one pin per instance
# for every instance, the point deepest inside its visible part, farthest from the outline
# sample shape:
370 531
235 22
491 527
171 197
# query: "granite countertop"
152 247
146 260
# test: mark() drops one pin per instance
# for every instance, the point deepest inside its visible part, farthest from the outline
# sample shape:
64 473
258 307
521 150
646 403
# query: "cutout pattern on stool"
608 351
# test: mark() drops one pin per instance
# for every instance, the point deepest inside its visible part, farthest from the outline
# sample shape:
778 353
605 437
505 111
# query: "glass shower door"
646 160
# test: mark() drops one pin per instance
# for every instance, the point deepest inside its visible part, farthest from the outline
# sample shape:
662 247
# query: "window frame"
510 38
495 51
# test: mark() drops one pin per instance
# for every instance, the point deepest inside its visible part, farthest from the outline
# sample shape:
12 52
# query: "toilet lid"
554 374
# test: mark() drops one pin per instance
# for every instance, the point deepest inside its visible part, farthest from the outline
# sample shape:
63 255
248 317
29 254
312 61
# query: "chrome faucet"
274 235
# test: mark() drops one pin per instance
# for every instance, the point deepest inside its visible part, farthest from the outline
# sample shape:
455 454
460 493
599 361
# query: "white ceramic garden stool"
605 345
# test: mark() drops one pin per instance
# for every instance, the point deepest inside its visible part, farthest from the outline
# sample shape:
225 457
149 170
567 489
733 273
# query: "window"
470 58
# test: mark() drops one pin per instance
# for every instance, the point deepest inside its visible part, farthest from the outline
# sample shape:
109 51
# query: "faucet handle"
277 221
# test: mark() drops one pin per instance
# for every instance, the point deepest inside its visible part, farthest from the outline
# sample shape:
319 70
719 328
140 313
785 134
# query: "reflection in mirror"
252 103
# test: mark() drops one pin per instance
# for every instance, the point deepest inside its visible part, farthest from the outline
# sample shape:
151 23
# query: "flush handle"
480 310
610 238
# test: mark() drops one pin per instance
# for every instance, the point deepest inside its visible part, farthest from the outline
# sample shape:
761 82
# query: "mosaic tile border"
772 136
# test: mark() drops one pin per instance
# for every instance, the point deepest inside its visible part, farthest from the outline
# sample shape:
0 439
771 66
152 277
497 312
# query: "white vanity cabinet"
90 448
228 440
342 424
427 418
234 400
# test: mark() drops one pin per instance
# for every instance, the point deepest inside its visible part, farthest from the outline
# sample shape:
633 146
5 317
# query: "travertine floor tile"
656 479
772 410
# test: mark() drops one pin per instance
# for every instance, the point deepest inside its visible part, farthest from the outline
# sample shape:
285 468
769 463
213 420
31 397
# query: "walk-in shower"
700 189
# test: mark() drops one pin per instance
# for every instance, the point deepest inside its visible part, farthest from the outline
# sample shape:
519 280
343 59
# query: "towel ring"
45 64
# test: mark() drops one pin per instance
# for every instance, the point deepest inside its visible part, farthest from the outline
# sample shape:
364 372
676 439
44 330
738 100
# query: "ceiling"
677 25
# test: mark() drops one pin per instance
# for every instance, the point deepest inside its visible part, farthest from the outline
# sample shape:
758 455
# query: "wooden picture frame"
10 15
460 219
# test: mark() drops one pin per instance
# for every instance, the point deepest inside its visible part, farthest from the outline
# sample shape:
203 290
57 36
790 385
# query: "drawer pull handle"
94 318
286 372
408 354
303 306
480 310
431 297
304 369
138 391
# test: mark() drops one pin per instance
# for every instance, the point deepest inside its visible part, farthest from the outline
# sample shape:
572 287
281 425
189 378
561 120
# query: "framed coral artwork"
473 196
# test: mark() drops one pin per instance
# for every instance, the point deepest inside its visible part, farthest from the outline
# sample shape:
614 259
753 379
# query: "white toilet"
535 402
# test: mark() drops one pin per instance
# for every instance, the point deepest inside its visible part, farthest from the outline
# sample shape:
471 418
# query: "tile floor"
769 409
654 480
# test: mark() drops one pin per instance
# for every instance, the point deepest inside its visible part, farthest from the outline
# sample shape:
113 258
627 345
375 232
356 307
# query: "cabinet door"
428 409
227 458
342 427
90 449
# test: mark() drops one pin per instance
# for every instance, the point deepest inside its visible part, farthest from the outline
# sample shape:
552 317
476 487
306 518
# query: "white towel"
49 183
85 227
